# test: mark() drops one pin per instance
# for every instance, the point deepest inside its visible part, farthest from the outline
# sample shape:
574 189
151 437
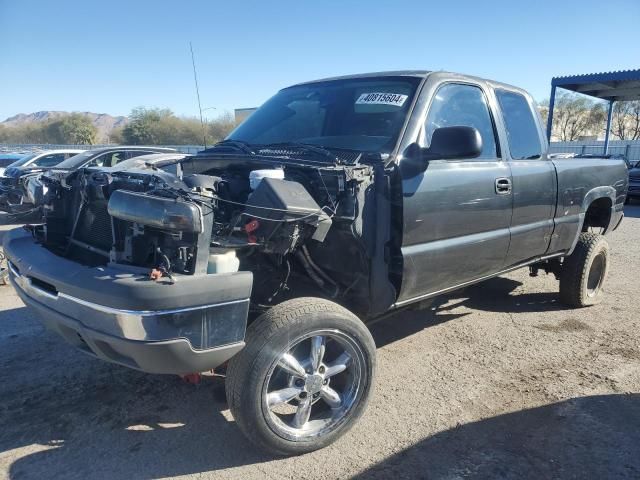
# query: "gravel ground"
496 381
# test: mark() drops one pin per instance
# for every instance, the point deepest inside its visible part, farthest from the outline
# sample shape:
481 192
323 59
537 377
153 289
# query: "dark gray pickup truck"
336 202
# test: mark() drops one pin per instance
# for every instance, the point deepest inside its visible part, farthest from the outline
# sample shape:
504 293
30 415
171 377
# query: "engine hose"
314 276
317 269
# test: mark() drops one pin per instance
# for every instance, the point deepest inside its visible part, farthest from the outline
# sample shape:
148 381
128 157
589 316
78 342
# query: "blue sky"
111 56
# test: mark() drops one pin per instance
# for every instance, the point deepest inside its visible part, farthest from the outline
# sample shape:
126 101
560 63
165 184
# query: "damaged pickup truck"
336 202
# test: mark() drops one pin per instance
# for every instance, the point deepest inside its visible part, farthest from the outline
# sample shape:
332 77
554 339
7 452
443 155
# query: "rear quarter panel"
580 182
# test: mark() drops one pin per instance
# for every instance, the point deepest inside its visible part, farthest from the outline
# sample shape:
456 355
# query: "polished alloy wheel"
314 384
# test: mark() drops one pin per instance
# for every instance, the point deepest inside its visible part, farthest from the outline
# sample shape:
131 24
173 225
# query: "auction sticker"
379 98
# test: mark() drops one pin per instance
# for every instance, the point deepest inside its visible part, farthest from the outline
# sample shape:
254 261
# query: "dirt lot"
497 381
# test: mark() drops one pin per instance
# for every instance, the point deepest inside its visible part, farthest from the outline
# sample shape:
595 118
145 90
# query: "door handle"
503 186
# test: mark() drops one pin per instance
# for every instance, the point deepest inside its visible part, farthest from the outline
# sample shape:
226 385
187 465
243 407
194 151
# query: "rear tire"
584 271
278 386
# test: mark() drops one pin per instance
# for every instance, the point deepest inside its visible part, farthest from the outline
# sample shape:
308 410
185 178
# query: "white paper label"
381 98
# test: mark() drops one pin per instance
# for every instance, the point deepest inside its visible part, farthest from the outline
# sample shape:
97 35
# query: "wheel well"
598 214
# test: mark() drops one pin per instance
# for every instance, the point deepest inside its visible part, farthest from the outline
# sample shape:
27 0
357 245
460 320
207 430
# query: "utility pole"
195 78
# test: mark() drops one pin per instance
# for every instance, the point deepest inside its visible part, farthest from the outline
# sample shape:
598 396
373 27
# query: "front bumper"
634 189
121 316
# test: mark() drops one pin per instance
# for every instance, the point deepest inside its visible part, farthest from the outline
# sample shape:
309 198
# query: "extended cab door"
534 177
457 212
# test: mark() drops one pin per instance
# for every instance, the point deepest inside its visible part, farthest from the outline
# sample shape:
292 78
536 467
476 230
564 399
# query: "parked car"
623 157
338 201
634 181
21 187
7 159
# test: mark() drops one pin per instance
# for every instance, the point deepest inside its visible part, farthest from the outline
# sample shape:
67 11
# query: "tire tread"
576 267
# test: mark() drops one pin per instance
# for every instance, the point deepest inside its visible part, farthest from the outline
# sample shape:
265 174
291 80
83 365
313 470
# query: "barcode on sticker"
379 98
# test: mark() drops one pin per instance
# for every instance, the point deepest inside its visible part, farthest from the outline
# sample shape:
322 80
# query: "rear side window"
50 160
522 130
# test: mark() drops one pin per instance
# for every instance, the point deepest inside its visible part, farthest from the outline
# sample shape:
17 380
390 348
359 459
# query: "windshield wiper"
318 150
237 144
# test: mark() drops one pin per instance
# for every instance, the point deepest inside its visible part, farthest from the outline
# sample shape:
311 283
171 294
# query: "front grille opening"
47 287
94 226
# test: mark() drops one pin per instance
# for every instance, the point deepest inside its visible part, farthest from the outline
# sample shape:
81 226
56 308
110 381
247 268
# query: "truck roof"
418 74
392 73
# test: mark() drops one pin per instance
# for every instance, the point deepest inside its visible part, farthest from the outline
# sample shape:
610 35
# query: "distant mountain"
102 121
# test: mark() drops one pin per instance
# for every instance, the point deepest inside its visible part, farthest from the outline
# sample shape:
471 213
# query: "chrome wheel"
314 384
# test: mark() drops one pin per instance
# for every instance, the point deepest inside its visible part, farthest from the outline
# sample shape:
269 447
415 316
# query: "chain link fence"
629 148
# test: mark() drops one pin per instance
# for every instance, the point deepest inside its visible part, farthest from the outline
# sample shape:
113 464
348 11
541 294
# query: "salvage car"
21 188
12 198
337 202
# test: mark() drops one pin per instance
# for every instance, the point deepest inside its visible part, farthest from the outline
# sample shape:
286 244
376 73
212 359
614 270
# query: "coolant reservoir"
222 260
256 176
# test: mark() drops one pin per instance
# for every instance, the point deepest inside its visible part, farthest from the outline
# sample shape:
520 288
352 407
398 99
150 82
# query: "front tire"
304 378
584 271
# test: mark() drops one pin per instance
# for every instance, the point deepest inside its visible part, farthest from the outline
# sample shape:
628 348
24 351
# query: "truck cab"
467 218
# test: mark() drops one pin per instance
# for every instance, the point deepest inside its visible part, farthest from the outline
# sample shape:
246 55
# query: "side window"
108 159
462 105
116 157
99 161
522 130
50 160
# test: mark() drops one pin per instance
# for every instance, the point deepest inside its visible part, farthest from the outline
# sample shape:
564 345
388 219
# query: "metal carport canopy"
614 87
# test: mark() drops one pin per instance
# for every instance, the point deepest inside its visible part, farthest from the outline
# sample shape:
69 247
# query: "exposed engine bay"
301 228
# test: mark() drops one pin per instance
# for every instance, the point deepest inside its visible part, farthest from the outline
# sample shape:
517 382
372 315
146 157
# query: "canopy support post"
606 135
552 103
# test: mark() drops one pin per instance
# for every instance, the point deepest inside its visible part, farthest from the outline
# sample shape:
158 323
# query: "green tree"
147 126
625 123
142 128
116 136
219 128
74 129
78 130
155 126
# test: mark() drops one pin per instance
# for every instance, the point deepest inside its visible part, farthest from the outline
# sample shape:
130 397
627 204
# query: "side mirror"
449 143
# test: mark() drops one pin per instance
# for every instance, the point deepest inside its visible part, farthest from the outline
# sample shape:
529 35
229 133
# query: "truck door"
534 178
457 212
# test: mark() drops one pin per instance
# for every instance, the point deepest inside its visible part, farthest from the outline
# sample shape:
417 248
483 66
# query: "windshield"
355 114
77 160
23 160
